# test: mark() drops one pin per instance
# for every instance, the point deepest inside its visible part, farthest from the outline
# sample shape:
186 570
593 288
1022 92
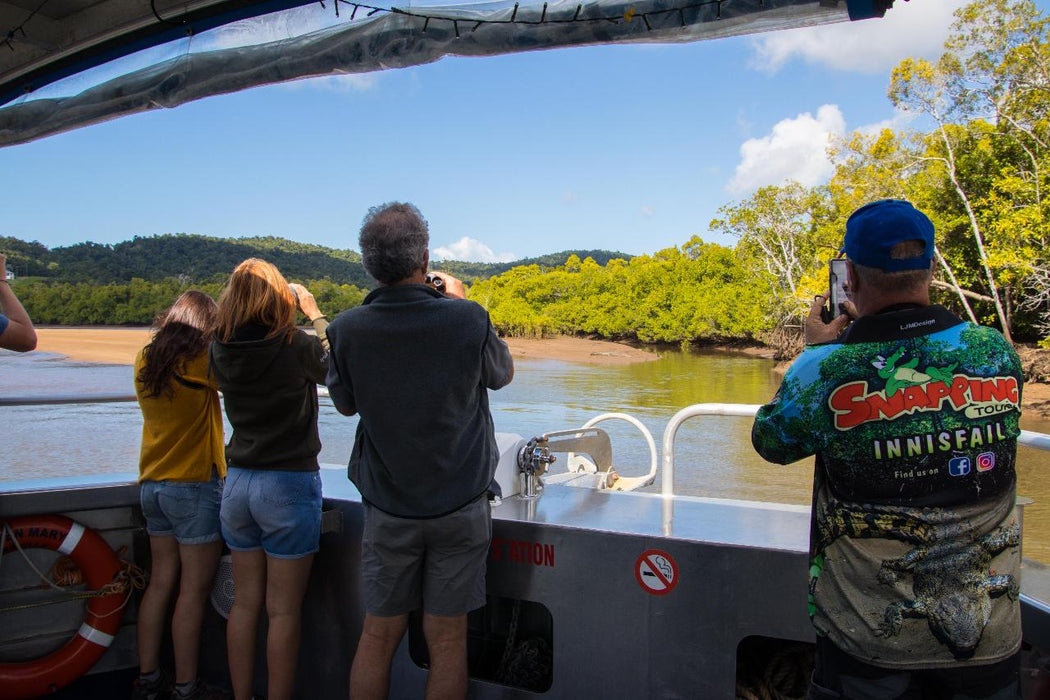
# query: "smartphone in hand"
839 289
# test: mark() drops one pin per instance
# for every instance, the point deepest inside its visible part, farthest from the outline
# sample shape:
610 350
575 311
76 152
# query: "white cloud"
796 149
647 211
570 197
468 249
916 29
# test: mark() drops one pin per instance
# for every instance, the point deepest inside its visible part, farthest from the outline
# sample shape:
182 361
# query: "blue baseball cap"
873 230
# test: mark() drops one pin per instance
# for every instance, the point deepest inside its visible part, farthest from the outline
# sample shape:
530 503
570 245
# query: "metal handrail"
653 458
699 409
1040 441
1030 438
59 399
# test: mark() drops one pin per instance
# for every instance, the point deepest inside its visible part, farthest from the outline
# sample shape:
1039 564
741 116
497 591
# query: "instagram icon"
985 461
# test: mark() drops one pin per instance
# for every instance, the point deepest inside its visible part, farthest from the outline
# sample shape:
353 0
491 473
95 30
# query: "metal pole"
700 409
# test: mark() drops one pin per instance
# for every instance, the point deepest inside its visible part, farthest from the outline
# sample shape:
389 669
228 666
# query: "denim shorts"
273 510
189 510
437 564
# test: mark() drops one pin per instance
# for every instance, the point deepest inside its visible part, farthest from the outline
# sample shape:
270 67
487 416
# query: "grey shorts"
436 564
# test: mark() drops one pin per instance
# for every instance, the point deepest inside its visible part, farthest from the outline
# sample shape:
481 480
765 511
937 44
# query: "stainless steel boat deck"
591 593
576 556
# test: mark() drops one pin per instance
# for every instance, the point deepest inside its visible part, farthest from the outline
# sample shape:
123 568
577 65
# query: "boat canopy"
65 64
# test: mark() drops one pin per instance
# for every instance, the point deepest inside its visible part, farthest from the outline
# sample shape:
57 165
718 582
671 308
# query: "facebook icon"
959 466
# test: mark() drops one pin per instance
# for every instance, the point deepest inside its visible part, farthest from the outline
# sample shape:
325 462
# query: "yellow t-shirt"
182 436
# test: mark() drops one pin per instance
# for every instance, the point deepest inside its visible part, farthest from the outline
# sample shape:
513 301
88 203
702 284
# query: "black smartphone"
839 289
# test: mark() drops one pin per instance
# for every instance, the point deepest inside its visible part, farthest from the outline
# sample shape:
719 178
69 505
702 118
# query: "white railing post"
1040 441
700 409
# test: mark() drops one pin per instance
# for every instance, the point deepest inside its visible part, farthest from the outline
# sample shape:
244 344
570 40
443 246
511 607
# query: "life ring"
87 549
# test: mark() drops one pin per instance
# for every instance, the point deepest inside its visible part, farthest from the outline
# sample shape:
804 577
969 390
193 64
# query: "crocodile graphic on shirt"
905 375
952 585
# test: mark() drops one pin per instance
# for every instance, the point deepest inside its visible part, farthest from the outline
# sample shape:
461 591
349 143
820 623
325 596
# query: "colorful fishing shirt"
914 543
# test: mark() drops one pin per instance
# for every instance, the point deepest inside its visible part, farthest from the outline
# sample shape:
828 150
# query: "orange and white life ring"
87 549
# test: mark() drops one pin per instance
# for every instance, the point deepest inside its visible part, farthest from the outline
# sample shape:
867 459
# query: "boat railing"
699 409
1040 441
60 399
63 399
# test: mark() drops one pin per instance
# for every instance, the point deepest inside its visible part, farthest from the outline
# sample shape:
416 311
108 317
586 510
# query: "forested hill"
186 257
194 259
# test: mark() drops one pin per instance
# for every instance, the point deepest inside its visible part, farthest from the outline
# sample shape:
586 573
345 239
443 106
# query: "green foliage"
130 282
138 302
471 272
181 256
25 259
334 298
698 292
781 243
985 167
192 257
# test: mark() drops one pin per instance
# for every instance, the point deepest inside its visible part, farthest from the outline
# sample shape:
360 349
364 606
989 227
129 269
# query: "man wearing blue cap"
912 414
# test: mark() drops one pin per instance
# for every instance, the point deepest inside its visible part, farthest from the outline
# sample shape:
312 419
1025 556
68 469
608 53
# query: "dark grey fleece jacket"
417 367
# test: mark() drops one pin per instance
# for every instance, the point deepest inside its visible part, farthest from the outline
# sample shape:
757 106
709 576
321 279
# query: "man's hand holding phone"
830 313
817 330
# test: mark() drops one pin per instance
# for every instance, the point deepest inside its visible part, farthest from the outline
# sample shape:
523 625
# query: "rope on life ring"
102 569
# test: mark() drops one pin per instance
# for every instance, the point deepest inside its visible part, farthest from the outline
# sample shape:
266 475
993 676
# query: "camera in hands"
432 280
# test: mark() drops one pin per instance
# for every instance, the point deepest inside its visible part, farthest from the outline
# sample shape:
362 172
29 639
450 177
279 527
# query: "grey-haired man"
913 415
416 365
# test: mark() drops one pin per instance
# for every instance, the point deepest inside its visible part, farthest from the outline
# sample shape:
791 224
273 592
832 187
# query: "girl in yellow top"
181 471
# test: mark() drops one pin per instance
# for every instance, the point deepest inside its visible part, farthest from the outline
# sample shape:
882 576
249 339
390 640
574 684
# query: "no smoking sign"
656 572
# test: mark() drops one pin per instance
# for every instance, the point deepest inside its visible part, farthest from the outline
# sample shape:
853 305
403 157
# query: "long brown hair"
256 293
182 333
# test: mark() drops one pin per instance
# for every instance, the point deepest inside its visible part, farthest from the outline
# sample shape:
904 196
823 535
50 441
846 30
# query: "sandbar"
120 345
111 346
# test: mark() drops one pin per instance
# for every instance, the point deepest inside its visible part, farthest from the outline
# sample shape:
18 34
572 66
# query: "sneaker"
202 691
158 689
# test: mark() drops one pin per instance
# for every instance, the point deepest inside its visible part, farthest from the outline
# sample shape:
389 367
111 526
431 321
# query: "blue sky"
630 148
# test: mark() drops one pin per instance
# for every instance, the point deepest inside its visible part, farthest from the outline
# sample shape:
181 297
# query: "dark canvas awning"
219 48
